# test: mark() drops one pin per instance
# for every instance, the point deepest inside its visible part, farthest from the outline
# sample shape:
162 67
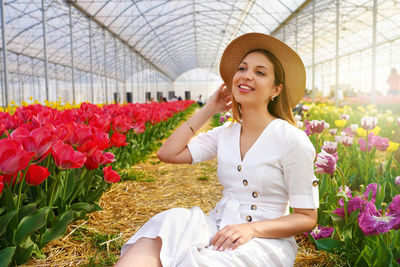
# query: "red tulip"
66 157
36 174
121 124
118 140
111 176
13 157
23 136
44 141
80 135
1 184
99 158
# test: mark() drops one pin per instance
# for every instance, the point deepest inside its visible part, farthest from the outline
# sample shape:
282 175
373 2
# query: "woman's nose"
247 76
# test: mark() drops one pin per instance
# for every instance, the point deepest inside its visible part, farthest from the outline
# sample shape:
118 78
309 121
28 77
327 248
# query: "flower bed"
359 183
55 165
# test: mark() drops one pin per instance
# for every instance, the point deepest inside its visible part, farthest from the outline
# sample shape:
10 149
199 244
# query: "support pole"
337 55
4 44
313 90
46 76
72 54
105 64
116 65
373 70
91 59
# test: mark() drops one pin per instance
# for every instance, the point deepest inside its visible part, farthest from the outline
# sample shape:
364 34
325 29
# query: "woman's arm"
232 236
174 149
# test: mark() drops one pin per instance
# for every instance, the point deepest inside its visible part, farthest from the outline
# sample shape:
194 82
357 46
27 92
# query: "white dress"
276 171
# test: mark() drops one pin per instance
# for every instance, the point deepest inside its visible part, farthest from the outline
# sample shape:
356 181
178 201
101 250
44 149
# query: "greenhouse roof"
173 35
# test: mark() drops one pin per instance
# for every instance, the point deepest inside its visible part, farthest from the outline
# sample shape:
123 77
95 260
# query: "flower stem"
20 187
54 188
340 172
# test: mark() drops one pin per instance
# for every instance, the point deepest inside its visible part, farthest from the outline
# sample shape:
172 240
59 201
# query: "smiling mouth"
245 89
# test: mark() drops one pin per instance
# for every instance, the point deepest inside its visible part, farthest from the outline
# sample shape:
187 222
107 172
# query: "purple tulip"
307 128
321 232
317 126
380 143
372 222
397 180
325 163
354 204
347 131
369 123
330 147
394 207
347 140
373 188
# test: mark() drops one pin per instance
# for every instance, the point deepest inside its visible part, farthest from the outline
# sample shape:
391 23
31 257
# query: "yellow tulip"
376 130
393 146
361 132
340 123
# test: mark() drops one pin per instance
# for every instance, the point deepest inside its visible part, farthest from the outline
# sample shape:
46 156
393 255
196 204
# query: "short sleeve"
298 171
205 145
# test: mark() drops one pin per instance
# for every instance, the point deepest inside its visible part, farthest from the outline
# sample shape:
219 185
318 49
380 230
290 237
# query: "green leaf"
5 219
69 184
329 244
380 196
22 254
82 206
383 256
58 229
6 256
10 202
26 210
30 224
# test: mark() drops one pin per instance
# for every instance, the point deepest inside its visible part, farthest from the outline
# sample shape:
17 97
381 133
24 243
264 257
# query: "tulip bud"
362 188
345 117
397 180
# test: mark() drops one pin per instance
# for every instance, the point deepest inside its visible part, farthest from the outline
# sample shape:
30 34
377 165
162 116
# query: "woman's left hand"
232 236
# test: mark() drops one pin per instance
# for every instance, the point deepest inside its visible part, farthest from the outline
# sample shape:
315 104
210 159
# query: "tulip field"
56 162
359 181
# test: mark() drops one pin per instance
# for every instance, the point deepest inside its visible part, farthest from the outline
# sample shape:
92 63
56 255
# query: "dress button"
315 183
253 207
239 167
245 182
255 194
248 218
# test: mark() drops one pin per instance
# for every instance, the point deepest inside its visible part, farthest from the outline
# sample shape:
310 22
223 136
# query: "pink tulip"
80 135
44 140
333 131
317 126
368 123
330 147
66 157
397 180
380 143
347 140
110 175
345 117
13 157
325 163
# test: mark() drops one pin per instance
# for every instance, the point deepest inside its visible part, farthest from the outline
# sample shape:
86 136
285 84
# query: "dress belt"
227 211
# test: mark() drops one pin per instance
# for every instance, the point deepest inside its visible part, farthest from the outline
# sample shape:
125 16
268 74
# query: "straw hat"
295 73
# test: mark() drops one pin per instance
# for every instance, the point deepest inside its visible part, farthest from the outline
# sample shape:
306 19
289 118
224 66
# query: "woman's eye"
241 68
260 73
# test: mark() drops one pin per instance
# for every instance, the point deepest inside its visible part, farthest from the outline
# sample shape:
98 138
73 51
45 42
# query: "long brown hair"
281 106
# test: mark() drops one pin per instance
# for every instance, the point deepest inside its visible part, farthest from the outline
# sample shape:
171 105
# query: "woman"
264 163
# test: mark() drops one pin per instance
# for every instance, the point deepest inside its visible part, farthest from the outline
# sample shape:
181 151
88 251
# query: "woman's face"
253 83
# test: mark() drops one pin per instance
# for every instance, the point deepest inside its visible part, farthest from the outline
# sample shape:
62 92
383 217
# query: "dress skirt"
186 235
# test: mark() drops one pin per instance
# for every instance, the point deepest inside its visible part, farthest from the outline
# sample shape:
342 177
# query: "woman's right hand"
221 100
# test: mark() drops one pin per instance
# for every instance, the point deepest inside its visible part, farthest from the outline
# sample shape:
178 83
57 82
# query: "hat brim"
292 64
